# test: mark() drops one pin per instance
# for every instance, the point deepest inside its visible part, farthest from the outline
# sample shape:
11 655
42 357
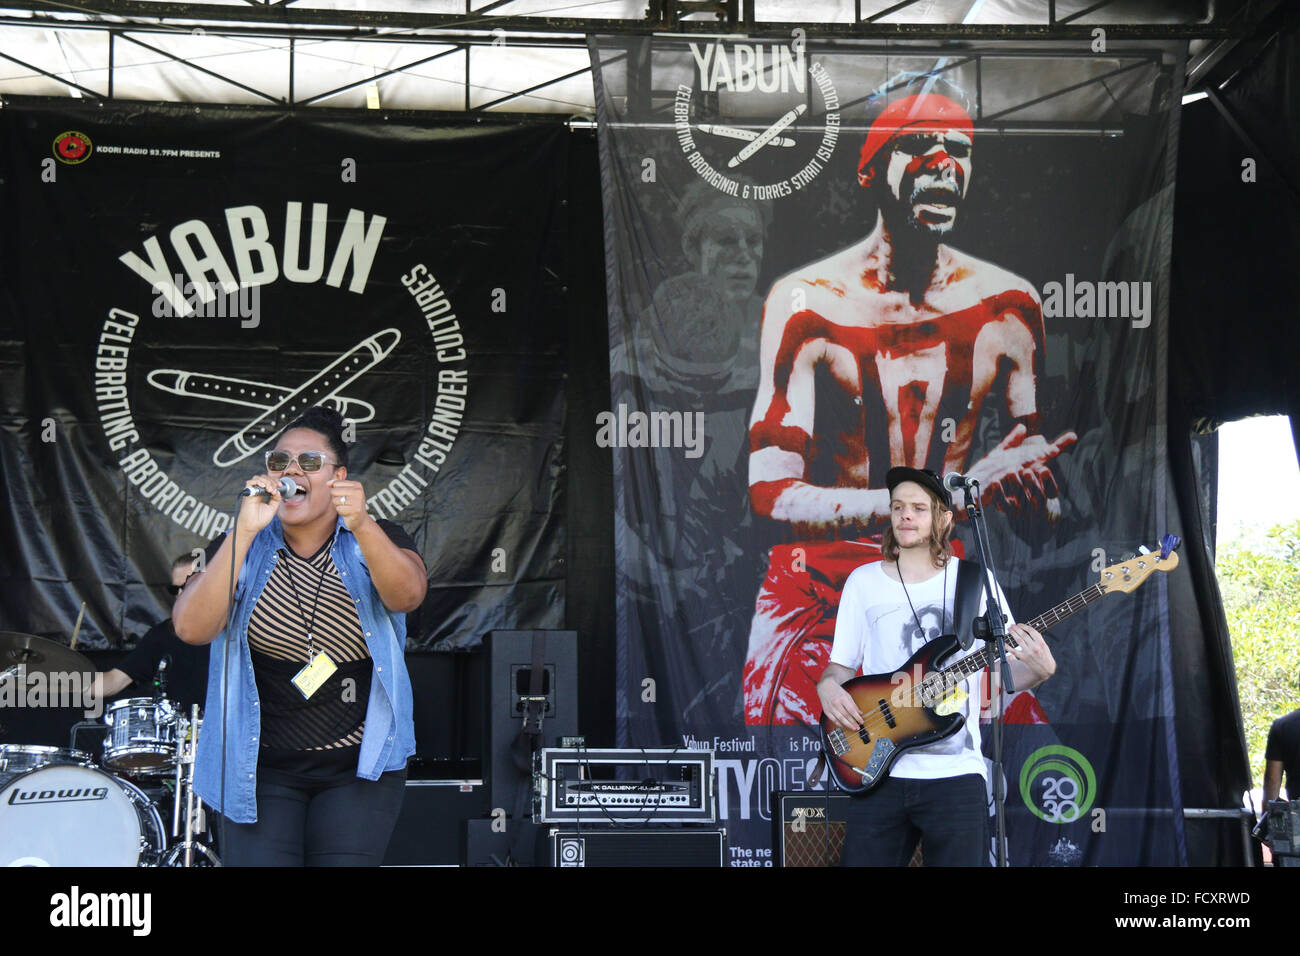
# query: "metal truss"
293 33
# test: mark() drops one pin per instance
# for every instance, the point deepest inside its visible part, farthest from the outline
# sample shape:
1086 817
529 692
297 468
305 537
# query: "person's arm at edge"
200 612
398 574
110 683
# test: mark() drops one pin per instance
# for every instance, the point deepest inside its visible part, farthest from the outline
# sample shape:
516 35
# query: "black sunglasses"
918 144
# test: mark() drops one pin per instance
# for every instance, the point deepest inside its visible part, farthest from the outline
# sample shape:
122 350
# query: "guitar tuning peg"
1128 557
1144 550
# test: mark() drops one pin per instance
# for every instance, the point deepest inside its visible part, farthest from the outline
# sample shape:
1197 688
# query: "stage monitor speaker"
507 679
571 847
428 830
448 713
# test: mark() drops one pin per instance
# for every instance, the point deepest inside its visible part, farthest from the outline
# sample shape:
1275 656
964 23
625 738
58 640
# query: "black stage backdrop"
409 276
759 395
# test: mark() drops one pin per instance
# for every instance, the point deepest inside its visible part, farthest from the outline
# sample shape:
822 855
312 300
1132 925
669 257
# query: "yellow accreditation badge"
309 679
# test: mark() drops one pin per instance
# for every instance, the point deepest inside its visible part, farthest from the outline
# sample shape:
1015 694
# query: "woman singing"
308 689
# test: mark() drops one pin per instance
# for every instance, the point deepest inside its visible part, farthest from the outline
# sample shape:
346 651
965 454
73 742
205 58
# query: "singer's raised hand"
256 511
349 500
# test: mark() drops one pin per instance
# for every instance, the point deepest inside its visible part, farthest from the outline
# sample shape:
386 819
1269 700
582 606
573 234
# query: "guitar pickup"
887 714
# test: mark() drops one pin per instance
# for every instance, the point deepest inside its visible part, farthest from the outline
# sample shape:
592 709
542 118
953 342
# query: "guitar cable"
826 824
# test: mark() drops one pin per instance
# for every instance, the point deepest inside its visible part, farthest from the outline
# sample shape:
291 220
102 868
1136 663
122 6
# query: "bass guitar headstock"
1130 573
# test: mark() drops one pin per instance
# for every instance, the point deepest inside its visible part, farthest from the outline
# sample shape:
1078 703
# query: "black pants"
347 825
949 816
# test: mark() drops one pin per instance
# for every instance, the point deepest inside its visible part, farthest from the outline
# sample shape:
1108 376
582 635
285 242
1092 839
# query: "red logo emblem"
72 147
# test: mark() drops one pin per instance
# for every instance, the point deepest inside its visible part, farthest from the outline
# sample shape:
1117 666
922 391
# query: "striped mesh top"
319 736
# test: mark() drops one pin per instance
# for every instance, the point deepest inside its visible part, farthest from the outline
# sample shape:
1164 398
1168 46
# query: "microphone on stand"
287 488
160 678
956 482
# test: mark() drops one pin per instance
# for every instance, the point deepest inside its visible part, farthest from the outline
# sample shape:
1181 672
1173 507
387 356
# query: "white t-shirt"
875 630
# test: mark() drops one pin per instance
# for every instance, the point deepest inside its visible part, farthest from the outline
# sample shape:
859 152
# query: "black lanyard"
315 602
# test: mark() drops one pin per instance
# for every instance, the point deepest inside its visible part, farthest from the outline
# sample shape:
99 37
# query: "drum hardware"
183 853
58 808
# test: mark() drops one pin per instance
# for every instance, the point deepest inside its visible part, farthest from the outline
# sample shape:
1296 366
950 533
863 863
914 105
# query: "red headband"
930 111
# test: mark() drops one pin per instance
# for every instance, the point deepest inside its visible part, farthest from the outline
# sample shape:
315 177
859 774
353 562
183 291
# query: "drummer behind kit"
57 808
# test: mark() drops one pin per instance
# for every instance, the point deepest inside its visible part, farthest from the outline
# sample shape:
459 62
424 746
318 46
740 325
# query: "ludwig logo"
1057 784
771 137
22 797
72 147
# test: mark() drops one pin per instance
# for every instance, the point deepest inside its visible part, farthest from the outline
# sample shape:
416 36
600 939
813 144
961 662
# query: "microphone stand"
992 629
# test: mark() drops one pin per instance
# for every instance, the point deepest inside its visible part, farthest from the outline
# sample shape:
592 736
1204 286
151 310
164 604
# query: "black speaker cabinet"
429 827
448 712
650 847
507 676
806 831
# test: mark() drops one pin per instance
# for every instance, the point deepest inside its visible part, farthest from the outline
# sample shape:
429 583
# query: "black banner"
181 282
826 259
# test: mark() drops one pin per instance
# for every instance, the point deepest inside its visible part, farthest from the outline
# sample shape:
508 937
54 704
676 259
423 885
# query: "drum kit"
59 808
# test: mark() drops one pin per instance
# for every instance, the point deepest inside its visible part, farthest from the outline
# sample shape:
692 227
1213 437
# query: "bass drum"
16 759
69 815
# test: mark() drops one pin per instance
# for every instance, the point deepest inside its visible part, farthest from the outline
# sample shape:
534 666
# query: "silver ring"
343 499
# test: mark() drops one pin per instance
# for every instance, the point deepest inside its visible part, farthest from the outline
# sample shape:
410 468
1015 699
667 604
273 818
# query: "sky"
1257 455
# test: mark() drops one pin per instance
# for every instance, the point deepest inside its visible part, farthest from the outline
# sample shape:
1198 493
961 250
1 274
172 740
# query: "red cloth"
794 627
920 113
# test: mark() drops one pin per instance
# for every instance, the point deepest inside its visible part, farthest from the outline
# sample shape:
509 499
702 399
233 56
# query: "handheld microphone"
287 488
955 482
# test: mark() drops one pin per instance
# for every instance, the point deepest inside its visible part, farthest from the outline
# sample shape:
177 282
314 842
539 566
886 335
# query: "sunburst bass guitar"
918 704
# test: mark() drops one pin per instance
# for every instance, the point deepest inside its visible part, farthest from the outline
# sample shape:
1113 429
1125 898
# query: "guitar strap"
967 603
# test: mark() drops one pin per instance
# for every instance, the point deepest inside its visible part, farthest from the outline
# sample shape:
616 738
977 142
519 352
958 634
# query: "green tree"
1259 579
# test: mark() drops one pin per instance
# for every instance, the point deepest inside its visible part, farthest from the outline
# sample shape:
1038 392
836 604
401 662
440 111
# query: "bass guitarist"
935 793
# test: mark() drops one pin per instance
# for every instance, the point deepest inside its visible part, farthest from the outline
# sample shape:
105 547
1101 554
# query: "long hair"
940 543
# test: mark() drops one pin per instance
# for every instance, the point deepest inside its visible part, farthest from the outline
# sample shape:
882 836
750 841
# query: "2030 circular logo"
1057 784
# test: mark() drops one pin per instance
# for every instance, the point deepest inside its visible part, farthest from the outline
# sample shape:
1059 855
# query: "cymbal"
40 654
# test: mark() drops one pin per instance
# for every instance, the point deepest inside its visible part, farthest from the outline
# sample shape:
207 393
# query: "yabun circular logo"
768 158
